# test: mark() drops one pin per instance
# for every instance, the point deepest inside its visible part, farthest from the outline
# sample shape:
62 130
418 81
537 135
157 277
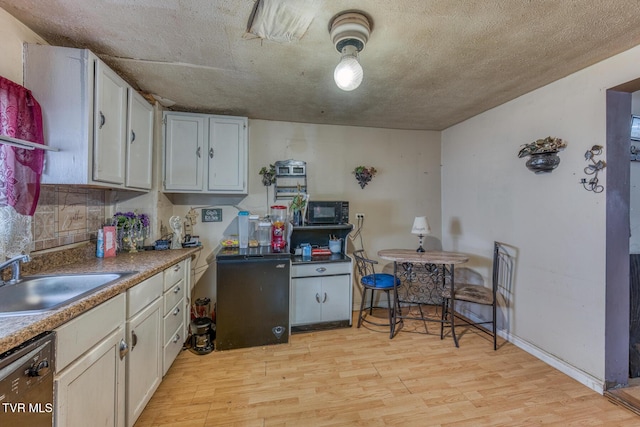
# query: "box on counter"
110 241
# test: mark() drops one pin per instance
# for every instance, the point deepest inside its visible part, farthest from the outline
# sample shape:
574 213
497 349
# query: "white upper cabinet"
87 115
110 122
184 150
139 142
227 154
205 153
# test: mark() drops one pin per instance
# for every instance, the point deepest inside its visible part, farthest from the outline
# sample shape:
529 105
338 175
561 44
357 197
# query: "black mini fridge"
252 307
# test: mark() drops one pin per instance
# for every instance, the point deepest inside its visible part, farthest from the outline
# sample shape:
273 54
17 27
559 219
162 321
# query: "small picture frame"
635 128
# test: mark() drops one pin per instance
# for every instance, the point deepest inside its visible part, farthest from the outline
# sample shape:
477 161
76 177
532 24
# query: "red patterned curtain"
20 169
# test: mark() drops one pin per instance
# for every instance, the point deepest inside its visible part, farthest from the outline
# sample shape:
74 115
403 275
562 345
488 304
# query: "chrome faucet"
14 263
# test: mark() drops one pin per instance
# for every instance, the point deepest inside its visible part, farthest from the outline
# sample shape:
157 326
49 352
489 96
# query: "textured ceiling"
428 64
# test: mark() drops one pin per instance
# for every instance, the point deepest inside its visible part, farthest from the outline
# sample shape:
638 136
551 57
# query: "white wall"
558 305
407 183
12 35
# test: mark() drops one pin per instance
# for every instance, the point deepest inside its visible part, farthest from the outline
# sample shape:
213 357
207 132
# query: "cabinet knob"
176 268
318 297
124 349
102 120
176 289
133 136
176 311
321 269
198 151
176 339
211 153
325 298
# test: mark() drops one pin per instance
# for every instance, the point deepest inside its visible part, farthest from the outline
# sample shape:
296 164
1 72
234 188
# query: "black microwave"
327 212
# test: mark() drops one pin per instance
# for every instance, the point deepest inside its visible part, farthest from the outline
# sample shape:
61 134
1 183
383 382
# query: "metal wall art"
364 174
543 154
593 169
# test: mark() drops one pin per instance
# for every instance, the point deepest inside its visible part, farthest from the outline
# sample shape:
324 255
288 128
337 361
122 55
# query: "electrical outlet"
359 216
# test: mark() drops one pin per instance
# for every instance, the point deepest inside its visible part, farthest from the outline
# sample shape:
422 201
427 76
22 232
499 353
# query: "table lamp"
421 228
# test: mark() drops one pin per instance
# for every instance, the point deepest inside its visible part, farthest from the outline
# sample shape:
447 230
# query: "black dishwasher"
252 287
26 383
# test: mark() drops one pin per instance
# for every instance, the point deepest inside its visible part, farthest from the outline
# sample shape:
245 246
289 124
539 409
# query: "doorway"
618 207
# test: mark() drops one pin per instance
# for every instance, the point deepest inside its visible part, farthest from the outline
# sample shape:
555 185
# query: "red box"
110 241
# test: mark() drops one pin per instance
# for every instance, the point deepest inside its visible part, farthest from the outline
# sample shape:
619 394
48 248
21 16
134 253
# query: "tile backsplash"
67 214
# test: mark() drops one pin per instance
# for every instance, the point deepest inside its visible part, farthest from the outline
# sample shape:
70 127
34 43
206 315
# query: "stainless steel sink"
39 294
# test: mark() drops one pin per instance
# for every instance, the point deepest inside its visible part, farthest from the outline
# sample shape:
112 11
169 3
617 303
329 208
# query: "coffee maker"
202 329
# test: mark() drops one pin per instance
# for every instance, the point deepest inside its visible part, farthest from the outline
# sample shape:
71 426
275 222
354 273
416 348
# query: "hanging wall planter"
268 177
543 154
364 174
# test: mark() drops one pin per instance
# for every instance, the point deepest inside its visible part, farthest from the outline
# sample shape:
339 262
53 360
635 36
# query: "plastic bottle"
253 231
100 244
243 229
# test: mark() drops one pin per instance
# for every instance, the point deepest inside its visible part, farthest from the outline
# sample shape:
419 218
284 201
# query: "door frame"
617 288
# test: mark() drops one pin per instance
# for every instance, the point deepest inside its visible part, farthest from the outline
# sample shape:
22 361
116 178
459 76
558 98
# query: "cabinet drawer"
173 295
172 348
171 321
142 294
80 334
173 274
321 269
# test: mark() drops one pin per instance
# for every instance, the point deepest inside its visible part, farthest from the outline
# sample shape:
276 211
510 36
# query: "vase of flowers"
543 154
364 174
132 229
297 207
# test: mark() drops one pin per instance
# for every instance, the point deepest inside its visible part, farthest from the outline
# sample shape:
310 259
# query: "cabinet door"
184 150
109 126
306 299
90 391
336 304
227 154
144 364
139 142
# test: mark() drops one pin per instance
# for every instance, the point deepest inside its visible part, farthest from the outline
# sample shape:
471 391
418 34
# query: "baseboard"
551 360
562 366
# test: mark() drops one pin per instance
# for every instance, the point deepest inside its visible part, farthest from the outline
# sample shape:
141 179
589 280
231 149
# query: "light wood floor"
358 377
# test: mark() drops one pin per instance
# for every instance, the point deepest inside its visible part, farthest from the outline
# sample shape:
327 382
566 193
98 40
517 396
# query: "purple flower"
127 220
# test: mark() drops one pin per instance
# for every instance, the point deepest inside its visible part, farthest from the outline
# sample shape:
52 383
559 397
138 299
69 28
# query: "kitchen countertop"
299 260
14 330
223 253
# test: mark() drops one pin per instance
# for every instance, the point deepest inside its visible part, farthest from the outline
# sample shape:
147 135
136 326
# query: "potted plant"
543 154
132 229
364 174
268 177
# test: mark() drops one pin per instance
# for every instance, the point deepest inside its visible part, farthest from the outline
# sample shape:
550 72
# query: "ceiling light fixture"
349 33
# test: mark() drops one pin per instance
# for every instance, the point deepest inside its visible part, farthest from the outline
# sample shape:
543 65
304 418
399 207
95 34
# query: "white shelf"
21 143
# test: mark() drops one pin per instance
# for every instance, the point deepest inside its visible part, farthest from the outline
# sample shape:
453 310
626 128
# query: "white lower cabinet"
111 359
144 335
176 290
320 293
90 374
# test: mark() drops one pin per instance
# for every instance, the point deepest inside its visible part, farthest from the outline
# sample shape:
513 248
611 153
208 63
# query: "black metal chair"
478 294
376 282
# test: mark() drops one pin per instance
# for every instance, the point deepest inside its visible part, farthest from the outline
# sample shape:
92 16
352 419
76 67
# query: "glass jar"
264 232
